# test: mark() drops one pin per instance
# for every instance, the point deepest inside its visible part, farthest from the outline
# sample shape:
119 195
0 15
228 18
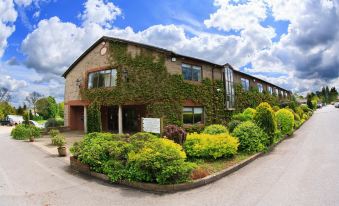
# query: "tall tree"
32 99
47 107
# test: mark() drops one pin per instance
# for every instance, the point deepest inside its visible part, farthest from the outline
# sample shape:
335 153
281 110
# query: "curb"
156 188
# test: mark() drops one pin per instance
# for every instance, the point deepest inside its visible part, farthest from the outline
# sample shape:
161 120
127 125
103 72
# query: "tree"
6 109
4 94
61 109
32 99
20 110
333 94
47 107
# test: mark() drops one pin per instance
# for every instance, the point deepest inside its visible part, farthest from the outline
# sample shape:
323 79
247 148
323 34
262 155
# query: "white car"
32 122
336 105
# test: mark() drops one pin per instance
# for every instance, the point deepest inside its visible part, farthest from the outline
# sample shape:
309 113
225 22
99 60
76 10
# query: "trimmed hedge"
210 146
285 120
251 137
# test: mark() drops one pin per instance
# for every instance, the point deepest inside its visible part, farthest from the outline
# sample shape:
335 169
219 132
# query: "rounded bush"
160 160
264 118
210 146
285 120
250 112
251 137
215 129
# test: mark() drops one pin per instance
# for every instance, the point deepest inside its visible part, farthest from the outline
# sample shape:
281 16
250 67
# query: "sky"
294 44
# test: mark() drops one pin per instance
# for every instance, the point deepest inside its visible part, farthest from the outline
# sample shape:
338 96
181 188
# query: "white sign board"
152 125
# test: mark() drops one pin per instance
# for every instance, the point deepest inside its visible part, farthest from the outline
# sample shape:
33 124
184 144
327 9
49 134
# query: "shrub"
23 132
51 122
275 108
264 118
305 108
59 140
285 120
195 128
299 111
210 146
215 129
143 157
250 112
161 161
233 124
251 137
175 133
242 117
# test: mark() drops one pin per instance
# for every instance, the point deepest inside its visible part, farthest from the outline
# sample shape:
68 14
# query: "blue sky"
292 44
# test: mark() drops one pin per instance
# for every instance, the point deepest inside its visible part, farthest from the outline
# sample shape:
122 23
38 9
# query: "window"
229 88
105 78
190 72
260 87
193 115
276 92
270 90
245 83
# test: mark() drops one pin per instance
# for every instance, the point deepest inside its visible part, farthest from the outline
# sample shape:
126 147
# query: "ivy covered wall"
149 83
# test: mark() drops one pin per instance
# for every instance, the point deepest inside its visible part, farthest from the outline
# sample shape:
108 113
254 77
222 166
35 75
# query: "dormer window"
104 78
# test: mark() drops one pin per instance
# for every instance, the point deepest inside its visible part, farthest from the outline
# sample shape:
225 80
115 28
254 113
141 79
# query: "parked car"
5 122
336 105
34 123
14 119
320 105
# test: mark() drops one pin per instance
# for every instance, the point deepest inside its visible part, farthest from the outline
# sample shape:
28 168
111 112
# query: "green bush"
143 157
210 146
159 160
233 124
251 137
59 140
264 118
299 111
250 112
195 128
275 108
215 129
285 120
23 132
242 117
305 108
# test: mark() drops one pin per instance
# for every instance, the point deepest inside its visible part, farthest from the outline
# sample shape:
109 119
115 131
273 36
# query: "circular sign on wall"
103 51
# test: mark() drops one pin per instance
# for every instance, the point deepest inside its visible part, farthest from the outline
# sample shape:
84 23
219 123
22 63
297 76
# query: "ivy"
150 84
94 117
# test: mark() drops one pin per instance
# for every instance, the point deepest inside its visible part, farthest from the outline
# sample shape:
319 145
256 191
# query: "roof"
106 38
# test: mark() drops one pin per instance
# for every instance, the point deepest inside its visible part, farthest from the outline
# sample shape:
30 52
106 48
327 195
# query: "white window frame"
229 88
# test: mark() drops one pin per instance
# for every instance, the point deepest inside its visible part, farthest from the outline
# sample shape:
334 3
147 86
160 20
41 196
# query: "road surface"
303 170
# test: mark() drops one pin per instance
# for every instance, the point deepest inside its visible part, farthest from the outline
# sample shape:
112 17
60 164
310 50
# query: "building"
93 72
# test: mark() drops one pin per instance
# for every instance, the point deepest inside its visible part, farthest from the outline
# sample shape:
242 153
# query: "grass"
213 166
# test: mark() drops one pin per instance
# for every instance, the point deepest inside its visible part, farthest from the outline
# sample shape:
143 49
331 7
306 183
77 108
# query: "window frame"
96 75
247 83
192 109
191 67
261 88
228 78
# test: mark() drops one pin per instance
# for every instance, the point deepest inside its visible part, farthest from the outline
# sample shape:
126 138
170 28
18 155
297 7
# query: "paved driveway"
303 170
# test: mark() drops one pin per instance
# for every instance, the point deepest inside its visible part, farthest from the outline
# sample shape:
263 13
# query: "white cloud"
23 2
8 16
100 12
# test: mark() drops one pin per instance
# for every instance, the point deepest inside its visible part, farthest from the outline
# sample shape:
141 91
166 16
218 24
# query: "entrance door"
76 118
130 120
112 119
